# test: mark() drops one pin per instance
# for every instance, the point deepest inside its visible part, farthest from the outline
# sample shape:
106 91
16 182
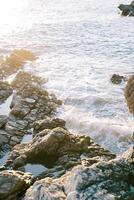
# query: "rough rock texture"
129 94
5 91
3 120
30 103
13 184
57 147
117 79
127 10
105 180
48 123
12 63
4 138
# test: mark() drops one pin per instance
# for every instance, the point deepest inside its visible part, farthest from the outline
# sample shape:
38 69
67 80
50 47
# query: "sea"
80 45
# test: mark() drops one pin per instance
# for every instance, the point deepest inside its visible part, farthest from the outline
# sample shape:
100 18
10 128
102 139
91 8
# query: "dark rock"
105 180
3 121
127 10
5 91
48 123
57 147
30 103
117 79
4 138
13 184
129 94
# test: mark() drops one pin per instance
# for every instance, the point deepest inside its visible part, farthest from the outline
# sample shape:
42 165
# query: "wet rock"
4 138
10 64
3 121
5 91
105 180
13 184
48 123
30 102
129 94
57 147
46 189
127 10
24 79
117 79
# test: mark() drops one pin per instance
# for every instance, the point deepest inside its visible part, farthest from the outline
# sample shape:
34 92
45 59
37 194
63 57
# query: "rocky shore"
127 10
75 167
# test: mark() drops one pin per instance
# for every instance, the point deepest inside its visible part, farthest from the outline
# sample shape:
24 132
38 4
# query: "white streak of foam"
111 134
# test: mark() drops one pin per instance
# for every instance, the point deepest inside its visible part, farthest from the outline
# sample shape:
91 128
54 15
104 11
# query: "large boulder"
105 180
129 94
127 10
58 147
13 184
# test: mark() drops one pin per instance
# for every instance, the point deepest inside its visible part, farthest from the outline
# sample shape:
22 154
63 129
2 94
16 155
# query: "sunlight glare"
10 12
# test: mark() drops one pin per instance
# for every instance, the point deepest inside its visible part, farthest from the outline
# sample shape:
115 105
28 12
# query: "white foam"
113 135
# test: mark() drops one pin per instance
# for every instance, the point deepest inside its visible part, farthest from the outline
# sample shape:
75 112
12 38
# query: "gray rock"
5 91
127 10
4 138
30 103
57 147
117 79
105 180
13 184
3 120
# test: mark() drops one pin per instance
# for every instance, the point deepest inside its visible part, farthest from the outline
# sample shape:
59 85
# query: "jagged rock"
24 79
13 62
48 123
3 120
5 91
13 184
106 180
4 138
57 147
127 10
117 79
46 189
129 94
30 102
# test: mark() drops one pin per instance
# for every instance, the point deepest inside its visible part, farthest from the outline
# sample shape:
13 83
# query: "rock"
24 79
5 91
13 62
13 184
3 120
30 103
57 147
48 123
127 10
46 190
105 180
4 138
129 94
117 79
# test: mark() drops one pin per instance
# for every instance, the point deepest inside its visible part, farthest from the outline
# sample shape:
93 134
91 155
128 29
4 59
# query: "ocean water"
79 45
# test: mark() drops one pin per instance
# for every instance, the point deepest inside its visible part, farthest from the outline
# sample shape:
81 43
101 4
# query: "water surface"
80 45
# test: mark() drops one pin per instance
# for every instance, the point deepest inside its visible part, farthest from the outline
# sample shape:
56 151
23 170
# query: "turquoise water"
80 45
